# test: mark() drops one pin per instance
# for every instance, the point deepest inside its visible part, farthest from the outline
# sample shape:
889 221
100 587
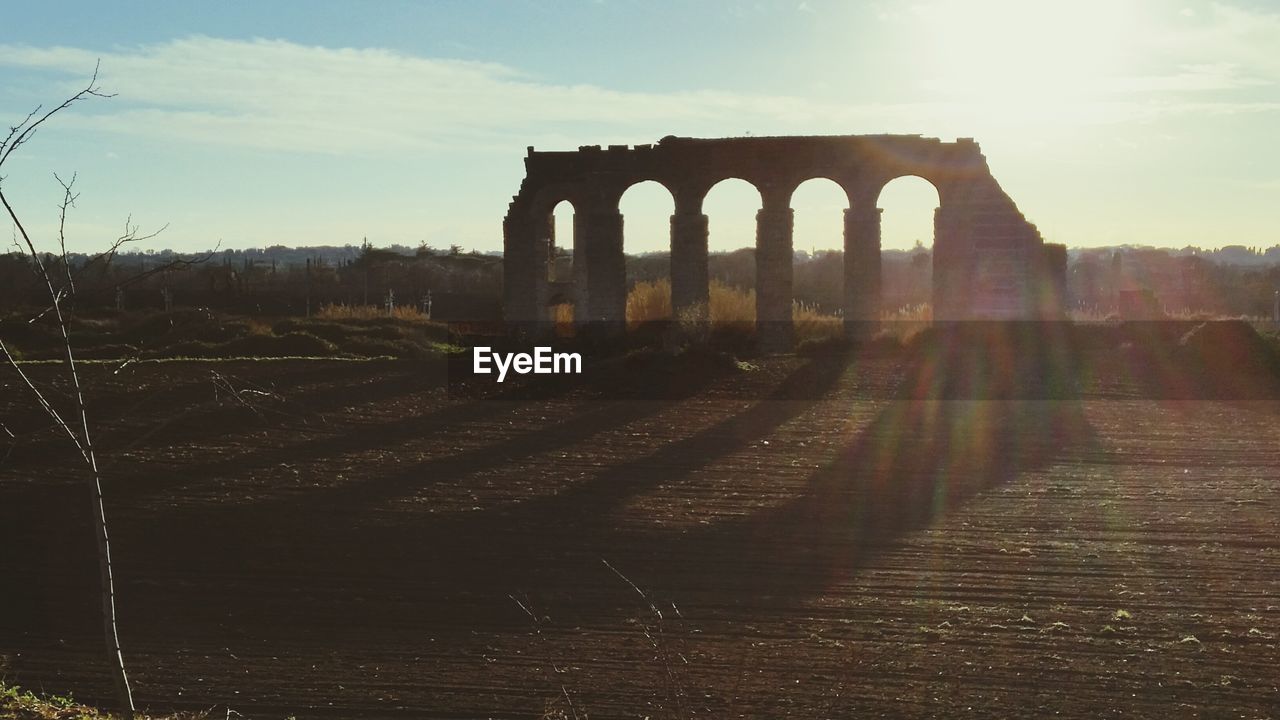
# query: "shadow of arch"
919 460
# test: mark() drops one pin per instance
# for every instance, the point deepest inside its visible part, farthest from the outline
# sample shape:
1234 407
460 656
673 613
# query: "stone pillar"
861 272
952 260
520 271
544 242
1052 282
689 288
581 289
606 269
774 224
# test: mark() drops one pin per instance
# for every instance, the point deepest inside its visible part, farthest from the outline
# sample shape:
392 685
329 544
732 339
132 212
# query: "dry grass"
18 704
1099 315
648 301
562 315
729 308
734 309
731 305
810 324
339 311
906 322
1090 315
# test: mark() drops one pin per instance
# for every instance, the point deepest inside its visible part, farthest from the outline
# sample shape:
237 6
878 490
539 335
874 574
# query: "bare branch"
24 130
131 235
45 405
80 436
109 254
17 128
68 200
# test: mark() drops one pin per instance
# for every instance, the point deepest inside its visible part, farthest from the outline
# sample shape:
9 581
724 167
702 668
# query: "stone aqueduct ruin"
989 262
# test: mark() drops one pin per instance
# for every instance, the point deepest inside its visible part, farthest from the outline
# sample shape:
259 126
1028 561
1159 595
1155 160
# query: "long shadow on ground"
973 413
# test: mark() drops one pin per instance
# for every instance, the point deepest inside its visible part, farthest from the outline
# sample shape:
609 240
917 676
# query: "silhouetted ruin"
989 262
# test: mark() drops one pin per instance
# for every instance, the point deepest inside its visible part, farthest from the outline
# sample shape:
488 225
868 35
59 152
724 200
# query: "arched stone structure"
988 261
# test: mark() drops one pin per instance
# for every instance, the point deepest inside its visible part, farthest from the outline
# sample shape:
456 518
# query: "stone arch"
654 189
917 210
547 198
562 217
748 196
842 183
937 188
819 204
640 204
979 232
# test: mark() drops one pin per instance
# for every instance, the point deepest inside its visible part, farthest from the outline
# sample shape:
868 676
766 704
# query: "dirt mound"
1228 346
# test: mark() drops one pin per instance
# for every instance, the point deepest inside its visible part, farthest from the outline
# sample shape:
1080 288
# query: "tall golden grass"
728 307
906 322
734 307
562 316
648 301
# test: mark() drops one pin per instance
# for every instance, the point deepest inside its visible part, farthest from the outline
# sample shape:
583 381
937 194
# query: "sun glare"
1018 52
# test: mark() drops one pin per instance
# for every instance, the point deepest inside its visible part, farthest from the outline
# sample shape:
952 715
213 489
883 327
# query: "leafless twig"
22 132
79 432
527 607
675 688
68 200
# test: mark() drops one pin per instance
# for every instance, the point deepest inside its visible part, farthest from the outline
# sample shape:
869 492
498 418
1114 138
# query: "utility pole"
308 283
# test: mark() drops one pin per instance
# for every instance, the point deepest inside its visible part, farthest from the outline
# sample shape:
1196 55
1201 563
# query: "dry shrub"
810 324
731 305
1088 315
906 322
257 327
562 316
647 302
339 311
731 310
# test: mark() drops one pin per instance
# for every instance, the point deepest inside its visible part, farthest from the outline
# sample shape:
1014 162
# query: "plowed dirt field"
796 539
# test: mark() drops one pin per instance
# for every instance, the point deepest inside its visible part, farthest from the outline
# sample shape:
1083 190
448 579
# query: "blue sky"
322 122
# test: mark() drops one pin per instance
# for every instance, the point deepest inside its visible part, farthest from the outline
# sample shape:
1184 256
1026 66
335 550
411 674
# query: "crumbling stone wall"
989 261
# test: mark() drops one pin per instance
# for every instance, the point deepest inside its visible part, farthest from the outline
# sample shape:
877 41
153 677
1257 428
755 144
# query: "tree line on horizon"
454 284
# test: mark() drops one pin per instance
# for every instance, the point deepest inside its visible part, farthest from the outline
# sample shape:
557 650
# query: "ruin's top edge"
673 141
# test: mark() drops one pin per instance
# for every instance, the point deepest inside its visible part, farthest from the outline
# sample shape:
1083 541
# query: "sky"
247 124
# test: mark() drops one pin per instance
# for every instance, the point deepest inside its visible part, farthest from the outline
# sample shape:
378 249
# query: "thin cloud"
282 96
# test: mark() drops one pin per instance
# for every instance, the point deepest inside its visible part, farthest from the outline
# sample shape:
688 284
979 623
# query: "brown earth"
807 538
